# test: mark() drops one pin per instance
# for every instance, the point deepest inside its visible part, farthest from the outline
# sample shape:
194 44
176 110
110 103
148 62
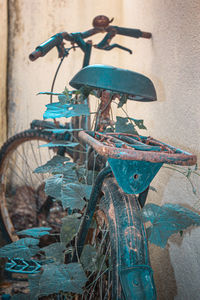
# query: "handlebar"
44 48
100 25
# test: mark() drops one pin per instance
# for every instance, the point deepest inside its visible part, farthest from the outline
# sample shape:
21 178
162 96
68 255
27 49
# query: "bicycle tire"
128 250
22 149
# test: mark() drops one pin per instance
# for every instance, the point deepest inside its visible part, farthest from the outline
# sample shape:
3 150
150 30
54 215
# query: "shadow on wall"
164 274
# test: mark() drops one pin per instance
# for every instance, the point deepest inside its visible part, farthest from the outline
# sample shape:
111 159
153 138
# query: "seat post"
104 110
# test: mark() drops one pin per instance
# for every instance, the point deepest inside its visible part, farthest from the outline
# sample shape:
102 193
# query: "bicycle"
16 154
120 189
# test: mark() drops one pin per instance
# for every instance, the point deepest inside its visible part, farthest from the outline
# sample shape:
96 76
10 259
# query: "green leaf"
36 232
53 165
63 99
22 297
73 195
61 143
91 260
167 220
85 91
55 251
53 186
122 101
23 248
123 125
70 226
63 130
58 110
86 176
152 188
69 175
49 93
58 277
139 123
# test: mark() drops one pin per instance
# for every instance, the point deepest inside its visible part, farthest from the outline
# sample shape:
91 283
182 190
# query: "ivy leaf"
73 195
123 125
57 110
70 226
67 92
91 260
139 123
69 175
55 251
23 248
122 101
53 165
36 232
53 186
49 93
61 143
86 176
21 297
63 130
85 91
167 220
63 99
58 277
152 188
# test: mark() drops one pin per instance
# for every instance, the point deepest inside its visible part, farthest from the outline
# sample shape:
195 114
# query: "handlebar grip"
146 35
35 54
136 33
45 47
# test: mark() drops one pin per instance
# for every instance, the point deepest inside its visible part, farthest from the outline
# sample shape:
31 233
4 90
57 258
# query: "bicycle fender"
137 283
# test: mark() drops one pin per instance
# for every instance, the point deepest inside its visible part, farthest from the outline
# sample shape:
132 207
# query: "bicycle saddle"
136 86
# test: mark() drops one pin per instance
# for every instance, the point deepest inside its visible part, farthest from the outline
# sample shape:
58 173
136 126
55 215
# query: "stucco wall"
3 69
170 59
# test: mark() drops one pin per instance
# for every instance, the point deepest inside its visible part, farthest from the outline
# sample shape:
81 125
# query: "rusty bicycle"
22 153
110 220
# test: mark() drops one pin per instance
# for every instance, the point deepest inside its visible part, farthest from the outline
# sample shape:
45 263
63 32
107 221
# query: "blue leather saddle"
136 86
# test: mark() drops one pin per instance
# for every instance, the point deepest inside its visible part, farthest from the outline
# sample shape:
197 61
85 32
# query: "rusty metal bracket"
133 176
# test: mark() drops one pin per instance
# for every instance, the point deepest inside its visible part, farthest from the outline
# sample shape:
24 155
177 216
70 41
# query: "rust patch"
166 154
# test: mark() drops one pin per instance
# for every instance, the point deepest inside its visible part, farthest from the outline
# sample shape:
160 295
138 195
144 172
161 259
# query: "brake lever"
110 47
105 43
62 51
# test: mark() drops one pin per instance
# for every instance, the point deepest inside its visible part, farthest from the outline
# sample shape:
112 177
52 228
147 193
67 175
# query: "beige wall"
171 59
3 69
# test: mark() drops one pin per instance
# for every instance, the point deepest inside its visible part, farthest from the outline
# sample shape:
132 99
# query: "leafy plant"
24 248
71 184
167 220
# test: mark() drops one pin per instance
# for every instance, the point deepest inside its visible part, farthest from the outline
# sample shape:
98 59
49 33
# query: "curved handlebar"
101 24
44 48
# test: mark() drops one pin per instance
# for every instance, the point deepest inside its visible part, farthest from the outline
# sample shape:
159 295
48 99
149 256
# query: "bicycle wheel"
124 270
22 191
